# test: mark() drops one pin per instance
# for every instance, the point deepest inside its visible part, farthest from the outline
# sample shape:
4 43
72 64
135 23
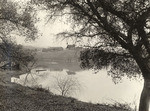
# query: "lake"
94 87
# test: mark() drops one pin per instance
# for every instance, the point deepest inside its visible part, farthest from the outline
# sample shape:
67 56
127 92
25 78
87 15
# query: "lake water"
95 88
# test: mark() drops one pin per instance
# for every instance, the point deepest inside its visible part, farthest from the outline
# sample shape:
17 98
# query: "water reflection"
95 88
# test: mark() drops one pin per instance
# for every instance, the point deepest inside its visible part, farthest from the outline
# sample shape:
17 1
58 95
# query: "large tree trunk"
145 96
145 70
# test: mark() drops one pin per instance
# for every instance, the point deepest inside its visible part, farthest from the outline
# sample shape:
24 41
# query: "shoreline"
16 97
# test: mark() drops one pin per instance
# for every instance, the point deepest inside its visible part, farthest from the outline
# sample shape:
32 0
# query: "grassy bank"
15 97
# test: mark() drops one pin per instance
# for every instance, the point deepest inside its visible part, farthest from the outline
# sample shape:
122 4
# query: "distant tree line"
51 49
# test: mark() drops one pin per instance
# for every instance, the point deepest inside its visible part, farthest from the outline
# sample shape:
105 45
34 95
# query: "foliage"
18 21
119 64
16 54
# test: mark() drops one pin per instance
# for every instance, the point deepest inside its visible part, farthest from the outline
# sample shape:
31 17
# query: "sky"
47 30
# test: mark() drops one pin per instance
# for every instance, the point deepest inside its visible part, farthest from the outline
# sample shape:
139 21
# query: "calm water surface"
95 88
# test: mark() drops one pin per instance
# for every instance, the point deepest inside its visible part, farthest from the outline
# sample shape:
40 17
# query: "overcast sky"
48 31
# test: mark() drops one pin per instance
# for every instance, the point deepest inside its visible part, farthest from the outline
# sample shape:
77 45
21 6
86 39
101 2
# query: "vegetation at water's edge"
15 97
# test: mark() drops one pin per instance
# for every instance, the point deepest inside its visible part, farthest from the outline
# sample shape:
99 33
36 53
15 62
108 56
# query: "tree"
66 85
122 30
16 20
27 60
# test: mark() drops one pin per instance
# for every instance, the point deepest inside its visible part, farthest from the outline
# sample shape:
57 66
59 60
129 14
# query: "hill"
15 97
58 60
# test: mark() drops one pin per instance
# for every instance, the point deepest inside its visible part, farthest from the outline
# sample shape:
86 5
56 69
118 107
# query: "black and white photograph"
74 55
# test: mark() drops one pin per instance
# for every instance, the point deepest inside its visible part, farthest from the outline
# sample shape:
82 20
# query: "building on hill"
78 48
73 47
70 47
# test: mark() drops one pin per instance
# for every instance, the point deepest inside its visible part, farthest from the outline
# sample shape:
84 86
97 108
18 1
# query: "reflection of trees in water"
62 83
33 80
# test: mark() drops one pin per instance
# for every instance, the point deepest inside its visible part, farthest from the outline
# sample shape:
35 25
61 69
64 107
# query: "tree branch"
122 15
